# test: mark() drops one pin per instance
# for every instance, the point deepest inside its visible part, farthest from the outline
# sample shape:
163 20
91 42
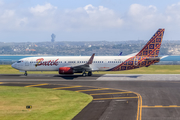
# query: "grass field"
47 104
153 69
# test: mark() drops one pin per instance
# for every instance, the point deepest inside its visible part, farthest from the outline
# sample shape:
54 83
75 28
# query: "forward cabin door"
27 63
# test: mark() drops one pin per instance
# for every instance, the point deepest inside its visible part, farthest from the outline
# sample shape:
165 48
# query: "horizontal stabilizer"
156 58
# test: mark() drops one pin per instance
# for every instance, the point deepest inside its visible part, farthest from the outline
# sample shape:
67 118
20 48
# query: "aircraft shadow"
68 77
129 76
11 75
71 77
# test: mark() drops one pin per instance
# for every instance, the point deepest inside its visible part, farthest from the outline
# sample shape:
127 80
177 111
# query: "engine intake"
65 70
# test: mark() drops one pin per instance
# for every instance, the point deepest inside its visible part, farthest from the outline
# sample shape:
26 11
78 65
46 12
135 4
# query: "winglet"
91 59
151 49
120 53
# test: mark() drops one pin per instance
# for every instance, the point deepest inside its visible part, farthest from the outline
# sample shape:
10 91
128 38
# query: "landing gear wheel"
84 74
25 74
89 73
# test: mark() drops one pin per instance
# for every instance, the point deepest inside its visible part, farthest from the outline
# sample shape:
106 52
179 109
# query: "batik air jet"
84 64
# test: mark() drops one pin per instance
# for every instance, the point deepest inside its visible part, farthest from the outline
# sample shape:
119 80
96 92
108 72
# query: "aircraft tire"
84 74
90 73
25 74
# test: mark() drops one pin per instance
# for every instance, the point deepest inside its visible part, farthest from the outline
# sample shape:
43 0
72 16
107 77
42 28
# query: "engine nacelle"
65 70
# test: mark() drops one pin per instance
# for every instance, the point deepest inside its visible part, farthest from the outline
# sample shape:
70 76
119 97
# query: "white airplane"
82 64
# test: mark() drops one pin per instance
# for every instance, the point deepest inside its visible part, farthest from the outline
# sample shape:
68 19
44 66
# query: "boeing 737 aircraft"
84 64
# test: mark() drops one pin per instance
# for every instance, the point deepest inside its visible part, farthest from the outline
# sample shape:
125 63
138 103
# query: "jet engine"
65 70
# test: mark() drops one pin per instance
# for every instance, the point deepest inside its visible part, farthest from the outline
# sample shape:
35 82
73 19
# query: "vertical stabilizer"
151 49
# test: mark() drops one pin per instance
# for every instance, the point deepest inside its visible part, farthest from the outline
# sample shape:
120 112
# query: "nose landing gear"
25 74
90 73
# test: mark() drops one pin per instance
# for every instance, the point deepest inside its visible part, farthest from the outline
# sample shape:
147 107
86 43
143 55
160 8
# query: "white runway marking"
140 77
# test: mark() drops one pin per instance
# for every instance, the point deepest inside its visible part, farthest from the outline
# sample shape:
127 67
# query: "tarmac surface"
115 97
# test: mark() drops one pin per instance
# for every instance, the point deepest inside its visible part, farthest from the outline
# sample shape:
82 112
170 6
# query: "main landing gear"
25 74
89 74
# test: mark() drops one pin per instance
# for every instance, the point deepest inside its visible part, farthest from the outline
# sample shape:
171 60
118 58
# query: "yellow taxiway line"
111 93
115 98
1 82
37 85
92 89
160 106
67 87
139 108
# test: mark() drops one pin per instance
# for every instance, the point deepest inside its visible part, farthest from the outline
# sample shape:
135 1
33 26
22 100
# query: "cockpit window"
18 61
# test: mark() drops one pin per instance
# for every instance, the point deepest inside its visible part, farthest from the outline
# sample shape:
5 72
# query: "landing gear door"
135 61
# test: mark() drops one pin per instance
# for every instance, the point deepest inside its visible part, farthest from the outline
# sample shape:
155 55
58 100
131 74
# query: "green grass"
47 104
153 69
7 69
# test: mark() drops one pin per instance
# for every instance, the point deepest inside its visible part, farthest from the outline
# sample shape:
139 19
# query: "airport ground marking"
37 85
66 87
115 98
92 89
160 106
139 106
111 93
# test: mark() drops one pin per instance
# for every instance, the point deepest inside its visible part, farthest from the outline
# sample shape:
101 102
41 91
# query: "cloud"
48 17
148 17
91 17
43 9
173 13
143 17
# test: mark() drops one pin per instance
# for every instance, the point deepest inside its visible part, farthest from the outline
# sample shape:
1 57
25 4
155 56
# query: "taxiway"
127 97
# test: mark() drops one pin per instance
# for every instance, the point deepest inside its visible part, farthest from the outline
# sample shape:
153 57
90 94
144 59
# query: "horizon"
86 41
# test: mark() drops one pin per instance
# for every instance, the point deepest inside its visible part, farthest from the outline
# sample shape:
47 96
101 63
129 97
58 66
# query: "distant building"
30 49
53 36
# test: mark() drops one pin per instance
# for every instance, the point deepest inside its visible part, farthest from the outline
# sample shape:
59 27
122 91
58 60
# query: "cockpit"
19 61
18 64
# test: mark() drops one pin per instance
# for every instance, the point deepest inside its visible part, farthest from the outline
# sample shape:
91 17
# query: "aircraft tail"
151 49
146 57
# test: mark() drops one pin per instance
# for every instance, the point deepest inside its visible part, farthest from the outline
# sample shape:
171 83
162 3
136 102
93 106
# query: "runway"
122 97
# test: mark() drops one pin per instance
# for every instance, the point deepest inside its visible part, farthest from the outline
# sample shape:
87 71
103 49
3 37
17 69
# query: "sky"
88 20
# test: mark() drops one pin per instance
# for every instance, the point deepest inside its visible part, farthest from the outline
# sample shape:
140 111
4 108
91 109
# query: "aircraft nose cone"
13 65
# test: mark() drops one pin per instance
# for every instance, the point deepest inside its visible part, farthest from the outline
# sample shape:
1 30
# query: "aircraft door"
27 63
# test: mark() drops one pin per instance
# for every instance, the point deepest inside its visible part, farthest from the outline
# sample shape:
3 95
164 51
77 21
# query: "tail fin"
120 53
151 49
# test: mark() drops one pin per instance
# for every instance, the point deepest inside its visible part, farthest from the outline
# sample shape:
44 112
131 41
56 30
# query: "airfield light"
28 107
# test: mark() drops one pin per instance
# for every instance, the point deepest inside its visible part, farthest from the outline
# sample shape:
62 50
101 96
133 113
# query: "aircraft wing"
86 66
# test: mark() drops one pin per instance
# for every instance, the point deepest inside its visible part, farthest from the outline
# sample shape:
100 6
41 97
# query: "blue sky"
87 20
